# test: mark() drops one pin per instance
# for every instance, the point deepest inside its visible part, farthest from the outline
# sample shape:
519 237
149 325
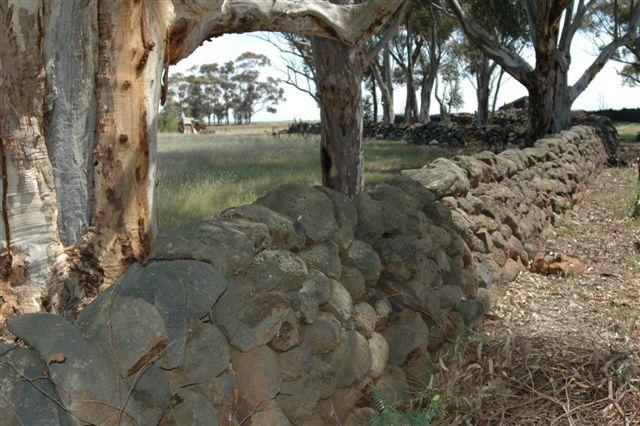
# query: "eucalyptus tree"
339 69
436 29
80 84
553 25
506 23
609 20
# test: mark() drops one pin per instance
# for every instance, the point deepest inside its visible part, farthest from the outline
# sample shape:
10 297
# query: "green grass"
628 131
200 175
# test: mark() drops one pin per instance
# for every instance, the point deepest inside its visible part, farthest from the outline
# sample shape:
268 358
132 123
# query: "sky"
606 90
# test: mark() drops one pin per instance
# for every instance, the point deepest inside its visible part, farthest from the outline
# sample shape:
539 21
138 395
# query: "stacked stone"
289 310
449 134
502 205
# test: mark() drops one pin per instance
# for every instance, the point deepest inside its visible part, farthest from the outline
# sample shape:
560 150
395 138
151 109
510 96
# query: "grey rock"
346 216
422 197
324 257
383 307
108 325
257 232
366 318
393 385
408 333
364 416
470 310
21 402
371 220
353 281
296 362
285 232
151 394
258 376
206 354
443 177
272 415
297 398
228 249
379 355
275 270
189 407
450 295
289 335
327 377
306 205
419 369
318 286
363 257
324 334
477 171
340 303
402 255
181 290
512 269
304 306
84 373
483 296
396 207
249 317
220 390
351 359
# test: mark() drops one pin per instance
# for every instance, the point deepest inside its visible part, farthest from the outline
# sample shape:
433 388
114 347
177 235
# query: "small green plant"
390 416
630 205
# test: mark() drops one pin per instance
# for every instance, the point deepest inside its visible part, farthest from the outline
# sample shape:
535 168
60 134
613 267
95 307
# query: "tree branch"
388 34
513 63
605 54
351 24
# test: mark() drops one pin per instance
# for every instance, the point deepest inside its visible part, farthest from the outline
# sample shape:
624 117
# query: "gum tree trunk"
483 78
389 114
387 96
31 248
338 80
553 25
80 85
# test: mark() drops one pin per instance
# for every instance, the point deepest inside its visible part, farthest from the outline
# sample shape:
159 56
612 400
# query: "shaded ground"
557 350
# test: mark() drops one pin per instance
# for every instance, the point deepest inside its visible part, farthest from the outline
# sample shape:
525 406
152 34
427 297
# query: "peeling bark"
483 79
80 84
33 252
70 51
338 79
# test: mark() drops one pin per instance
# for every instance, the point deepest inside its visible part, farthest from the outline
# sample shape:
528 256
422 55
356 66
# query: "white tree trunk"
80 84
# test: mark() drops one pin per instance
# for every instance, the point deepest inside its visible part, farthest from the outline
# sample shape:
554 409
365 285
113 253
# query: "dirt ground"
561 350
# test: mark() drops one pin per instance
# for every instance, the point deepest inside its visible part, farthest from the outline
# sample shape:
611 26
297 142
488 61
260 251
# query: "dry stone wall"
289 310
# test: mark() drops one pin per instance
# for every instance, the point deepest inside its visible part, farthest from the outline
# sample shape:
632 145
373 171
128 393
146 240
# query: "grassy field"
628 131
200 175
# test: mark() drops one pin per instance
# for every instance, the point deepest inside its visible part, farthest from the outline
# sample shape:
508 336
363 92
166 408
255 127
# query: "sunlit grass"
200 175
628 131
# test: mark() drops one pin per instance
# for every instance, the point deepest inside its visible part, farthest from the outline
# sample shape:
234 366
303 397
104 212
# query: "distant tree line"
440 43
221 93
430 46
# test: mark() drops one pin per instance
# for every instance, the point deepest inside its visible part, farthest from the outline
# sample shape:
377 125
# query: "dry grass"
554 350
260 128
628 131
200 175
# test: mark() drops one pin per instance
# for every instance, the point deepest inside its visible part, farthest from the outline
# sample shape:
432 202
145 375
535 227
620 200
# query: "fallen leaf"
57 357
